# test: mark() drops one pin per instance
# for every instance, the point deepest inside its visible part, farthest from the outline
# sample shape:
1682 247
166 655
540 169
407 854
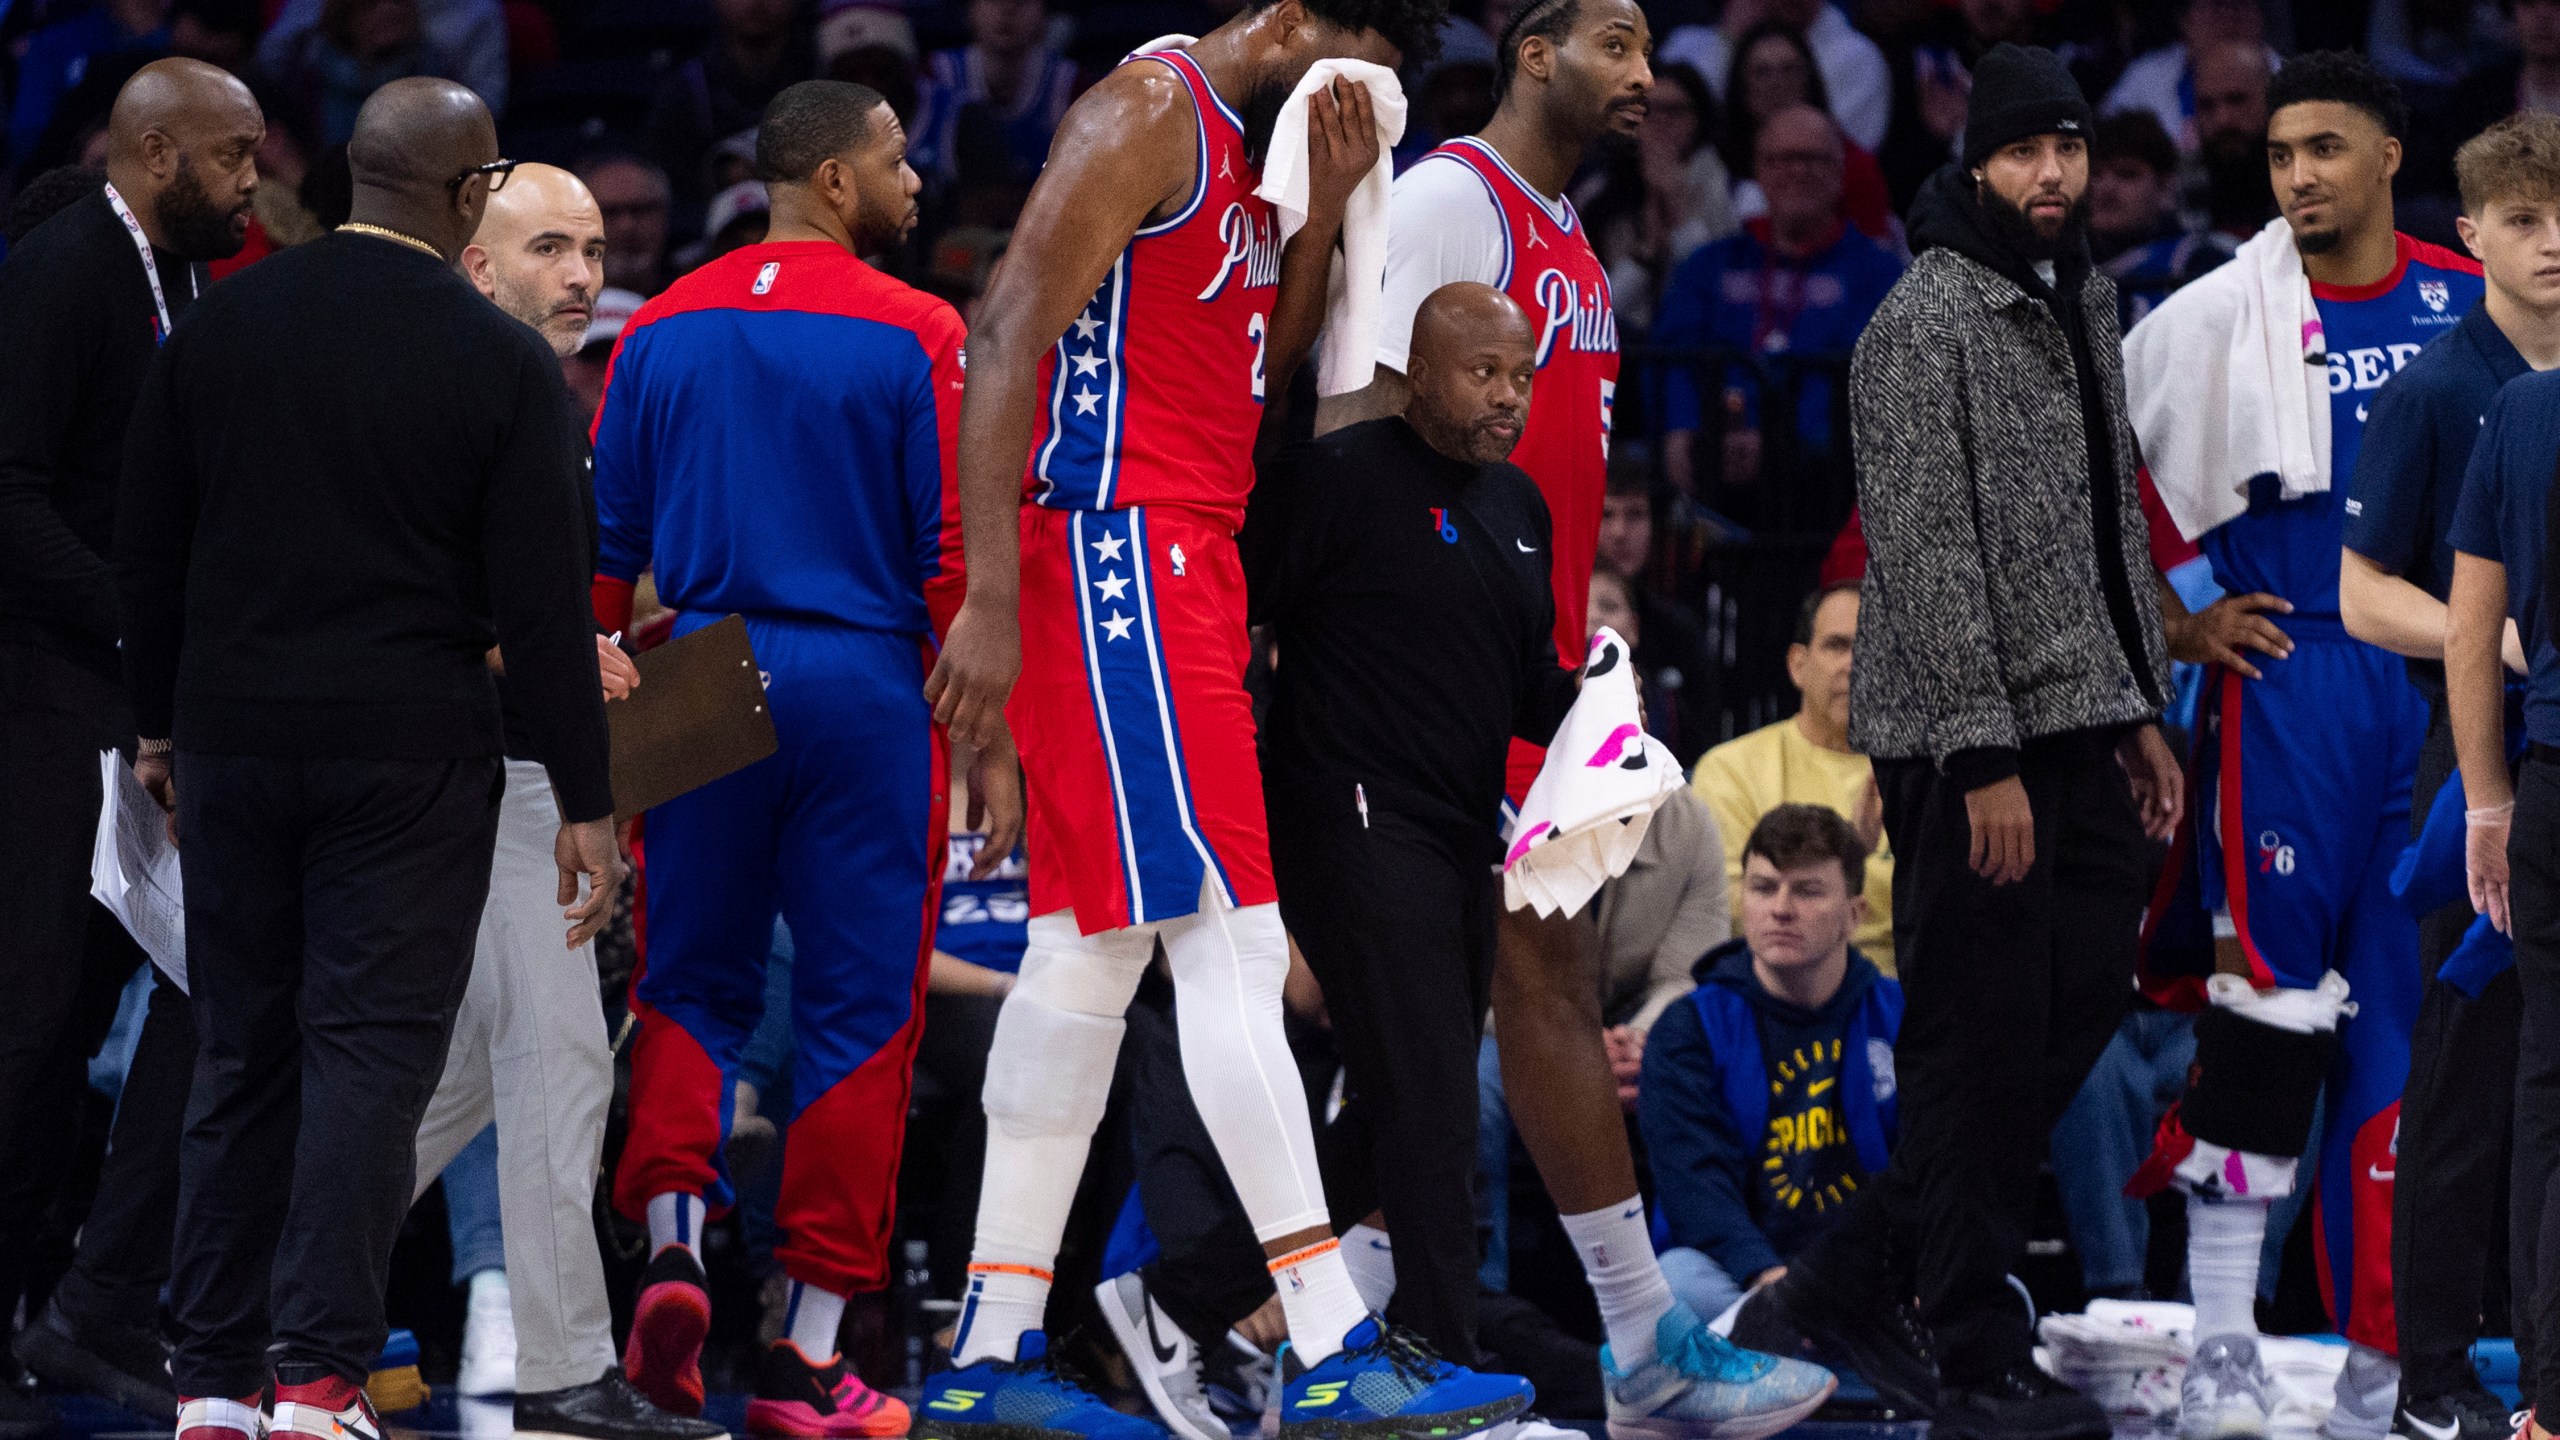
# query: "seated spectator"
1651 206
2430 45
755 53
217 32
2163 81
1853 68
636 201
1769 1095
1451 95
2224 189
585 370
867 45
58 55
1670 642
1798 280
736 217
2526 79
2134 232
1774 71
1612 603
1932 77
1806 759
1652 924
357 47
1010 71
471 34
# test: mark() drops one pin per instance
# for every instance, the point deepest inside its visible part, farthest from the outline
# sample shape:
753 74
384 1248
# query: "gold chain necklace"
412 241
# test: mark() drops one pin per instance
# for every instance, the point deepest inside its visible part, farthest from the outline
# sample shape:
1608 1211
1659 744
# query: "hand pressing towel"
2229 380
1355 299
1586 813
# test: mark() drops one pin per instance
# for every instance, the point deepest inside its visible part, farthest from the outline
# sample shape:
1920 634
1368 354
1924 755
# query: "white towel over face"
1586 813
1356 299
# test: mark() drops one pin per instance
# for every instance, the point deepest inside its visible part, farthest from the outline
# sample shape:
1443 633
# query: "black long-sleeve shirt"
349 475
1411 599
75 306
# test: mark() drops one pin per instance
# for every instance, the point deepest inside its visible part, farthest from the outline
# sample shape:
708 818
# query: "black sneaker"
605 1409
2471 1413
126 1366
2020 1403
1886 1342
23 1416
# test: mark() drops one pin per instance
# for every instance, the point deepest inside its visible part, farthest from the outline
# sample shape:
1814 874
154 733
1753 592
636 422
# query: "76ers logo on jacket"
1577 314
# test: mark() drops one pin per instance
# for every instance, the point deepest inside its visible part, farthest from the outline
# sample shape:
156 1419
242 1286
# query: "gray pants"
530 1052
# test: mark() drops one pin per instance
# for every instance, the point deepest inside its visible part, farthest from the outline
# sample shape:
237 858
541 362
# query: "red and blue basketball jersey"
1154 393
2290 547
1549 269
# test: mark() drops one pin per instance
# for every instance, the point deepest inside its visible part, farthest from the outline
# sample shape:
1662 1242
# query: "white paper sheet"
134 869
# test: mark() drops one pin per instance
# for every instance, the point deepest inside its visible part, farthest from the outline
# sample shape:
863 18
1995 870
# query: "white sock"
489 1282
810 1320
1371 1257
1617 1257
1319 1299
676 1219
2223 1240
1005 1299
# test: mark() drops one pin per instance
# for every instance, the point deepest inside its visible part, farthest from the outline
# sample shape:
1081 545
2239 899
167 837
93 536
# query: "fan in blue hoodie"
1768 1096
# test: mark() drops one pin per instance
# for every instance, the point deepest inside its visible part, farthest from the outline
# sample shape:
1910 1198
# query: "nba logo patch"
2435 294
764 278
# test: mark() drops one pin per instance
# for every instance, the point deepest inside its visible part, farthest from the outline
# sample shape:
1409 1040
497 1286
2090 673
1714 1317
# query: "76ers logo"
1581 316
1252 242
2274 854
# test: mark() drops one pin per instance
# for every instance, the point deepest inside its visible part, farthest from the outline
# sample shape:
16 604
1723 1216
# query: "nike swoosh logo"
1525 547
1165 1354
2376 1172
2446 1431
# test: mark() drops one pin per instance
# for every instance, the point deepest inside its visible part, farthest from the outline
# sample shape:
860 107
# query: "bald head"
1470 365
539 253
2231 97
182 148
411 142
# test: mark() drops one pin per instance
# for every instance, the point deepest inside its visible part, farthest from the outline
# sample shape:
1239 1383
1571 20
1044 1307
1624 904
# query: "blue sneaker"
1702 1386
1029 1397
1387 1384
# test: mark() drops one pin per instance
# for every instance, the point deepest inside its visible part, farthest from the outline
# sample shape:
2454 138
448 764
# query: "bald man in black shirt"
1403 565
348 477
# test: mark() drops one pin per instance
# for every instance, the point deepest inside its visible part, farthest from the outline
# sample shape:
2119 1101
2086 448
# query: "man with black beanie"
2007 684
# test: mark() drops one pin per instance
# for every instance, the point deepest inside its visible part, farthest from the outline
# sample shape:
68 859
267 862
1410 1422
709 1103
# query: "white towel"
1355 300
2130 1356
1586 813
2229 380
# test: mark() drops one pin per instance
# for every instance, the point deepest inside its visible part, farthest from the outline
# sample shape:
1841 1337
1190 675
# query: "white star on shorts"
1111 584
1085 326
1117 627
1086 363
1108 547
1084 401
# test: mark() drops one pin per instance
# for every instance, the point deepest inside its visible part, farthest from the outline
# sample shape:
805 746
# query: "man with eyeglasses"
347 479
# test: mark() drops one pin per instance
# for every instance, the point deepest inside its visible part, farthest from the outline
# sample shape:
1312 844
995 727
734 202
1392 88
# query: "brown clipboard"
698 714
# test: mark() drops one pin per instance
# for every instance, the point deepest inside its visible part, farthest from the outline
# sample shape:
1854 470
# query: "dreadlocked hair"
1412 26
1549 18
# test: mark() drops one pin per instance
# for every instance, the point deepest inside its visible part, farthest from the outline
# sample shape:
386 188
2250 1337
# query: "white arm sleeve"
1442 226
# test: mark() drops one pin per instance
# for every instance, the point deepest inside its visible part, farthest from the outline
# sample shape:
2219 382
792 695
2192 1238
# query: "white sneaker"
2368 1394
1163 1358
2225 1393
488 1339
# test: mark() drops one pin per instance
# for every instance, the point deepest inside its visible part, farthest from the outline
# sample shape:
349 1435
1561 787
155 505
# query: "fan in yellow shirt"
1806 759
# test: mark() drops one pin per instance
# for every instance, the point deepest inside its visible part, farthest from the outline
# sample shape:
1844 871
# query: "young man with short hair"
1768 1097
2457 1111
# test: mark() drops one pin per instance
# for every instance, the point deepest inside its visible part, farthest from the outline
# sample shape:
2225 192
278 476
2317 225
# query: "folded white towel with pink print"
1586 813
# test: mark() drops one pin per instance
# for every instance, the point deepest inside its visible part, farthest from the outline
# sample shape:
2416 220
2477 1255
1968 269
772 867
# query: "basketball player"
1119 366
1490 207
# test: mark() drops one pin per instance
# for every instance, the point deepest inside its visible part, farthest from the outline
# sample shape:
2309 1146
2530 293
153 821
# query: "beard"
1261 115
198 229
2011 226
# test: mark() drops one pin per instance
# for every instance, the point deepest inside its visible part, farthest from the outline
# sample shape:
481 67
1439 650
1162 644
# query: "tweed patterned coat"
1982 621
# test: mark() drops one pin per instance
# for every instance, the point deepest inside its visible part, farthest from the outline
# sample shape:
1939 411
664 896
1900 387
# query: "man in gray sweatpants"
529 1048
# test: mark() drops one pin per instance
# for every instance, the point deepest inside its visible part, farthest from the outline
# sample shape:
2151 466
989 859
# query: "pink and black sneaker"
663 1357
214 1418
818 1400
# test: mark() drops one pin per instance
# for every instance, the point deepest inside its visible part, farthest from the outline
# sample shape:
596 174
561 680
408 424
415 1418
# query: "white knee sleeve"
1058 1036
1228 968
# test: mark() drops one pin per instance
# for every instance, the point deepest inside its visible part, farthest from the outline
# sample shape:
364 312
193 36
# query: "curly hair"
1552 19
1412 26
2342 76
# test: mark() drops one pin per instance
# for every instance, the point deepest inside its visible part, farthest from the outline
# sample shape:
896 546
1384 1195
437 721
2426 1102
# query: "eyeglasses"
496 170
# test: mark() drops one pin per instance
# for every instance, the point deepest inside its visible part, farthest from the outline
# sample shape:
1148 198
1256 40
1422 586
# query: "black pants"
63 959
2457 1116
123 1261
2011 992
331 908
2533 869
1397 922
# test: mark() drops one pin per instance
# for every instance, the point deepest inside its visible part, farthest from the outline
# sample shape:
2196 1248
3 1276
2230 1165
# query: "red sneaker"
334 1408
663 1357
214 1418
818 1400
